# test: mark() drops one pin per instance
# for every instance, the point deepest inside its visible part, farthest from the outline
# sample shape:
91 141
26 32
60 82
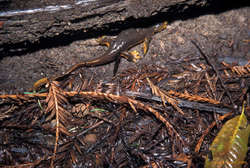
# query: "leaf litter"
145 117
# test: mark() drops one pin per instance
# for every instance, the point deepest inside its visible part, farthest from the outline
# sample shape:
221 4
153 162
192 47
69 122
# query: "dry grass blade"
55 101
164 97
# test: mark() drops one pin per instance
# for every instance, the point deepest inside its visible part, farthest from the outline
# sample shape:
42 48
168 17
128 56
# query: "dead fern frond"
241 70
192 97
134 104
22 97
55 100
233 71
212 64
164 97
134 78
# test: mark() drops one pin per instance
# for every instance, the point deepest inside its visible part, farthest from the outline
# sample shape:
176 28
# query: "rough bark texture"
43 22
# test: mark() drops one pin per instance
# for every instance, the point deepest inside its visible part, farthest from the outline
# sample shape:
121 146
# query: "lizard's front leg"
132 56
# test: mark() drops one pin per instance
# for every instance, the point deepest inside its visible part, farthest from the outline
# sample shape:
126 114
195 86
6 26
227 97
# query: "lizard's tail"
75 67
45 80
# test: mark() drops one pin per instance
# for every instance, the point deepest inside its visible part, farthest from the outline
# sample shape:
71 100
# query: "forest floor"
116 136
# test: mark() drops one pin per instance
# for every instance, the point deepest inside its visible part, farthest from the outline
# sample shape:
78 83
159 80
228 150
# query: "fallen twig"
182 103
216 71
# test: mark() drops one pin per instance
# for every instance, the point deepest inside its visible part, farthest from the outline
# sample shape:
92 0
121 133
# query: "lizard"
117 48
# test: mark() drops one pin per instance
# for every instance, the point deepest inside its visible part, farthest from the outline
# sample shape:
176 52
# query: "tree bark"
31 25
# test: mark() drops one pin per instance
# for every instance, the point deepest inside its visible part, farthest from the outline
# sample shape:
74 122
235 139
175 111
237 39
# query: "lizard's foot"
38 84
132 56
136 56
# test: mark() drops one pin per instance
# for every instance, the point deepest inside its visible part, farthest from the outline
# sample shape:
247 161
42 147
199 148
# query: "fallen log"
29 22
38 21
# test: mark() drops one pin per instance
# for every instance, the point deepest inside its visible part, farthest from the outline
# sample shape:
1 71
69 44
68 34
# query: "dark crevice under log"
23 31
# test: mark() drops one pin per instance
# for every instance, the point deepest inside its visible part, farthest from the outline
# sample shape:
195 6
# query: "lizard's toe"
136 55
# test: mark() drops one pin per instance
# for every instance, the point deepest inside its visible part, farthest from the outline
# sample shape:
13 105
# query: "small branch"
182 103
198 145
216 71
134 104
